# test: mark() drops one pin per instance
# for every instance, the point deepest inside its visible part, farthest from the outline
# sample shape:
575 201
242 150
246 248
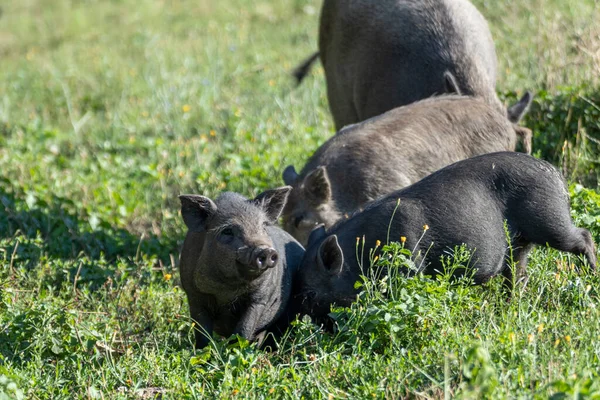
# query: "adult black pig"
368 160
378 55
465 203
236 265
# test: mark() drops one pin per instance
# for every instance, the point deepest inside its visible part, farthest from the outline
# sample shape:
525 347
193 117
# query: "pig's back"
368 160
384 54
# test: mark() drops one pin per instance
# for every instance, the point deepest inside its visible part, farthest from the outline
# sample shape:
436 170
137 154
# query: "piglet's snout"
265 257
260 258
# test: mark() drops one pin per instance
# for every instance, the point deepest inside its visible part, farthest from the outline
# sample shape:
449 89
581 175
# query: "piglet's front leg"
204 325
249 323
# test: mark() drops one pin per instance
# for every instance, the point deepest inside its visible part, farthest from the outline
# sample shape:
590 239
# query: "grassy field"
110 109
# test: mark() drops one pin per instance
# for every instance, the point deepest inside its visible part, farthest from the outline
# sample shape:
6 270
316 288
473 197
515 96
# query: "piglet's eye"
227 232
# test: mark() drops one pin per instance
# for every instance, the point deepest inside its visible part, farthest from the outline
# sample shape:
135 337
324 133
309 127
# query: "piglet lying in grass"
467 203
236 265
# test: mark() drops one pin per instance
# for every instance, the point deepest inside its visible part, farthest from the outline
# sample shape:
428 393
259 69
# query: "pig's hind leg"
558 231
586 247
577 241
515 265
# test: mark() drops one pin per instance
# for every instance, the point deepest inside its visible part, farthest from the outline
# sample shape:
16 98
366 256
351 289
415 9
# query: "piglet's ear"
290 175
330 256
196 210
450 83
272 201
317 186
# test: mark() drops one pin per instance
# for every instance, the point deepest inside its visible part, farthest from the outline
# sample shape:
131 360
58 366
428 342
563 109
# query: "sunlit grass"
109 110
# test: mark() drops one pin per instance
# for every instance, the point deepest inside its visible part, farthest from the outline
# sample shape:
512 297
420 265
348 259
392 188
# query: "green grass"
110 109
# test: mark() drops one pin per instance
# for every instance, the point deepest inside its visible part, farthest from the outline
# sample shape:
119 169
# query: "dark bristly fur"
370 159
378 55
465 203
228 286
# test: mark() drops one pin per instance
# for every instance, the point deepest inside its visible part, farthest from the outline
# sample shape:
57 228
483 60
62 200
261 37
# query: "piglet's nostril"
265 258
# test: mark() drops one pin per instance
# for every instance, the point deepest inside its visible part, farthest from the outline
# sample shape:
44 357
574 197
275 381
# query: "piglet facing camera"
236 264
